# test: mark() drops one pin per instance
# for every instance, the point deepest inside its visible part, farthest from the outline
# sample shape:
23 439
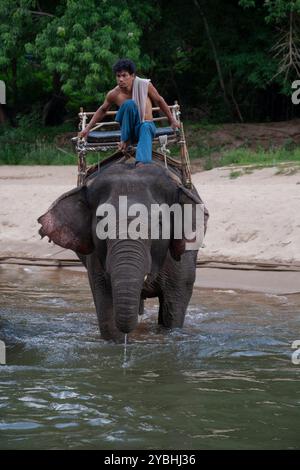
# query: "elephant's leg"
172 308
176 290
101 291
141 309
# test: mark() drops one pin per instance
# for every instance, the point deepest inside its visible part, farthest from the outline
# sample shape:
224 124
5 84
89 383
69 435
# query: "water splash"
125 364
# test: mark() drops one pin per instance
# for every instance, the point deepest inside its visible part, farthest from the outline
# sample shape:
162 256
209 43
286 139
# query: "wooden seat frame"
83 146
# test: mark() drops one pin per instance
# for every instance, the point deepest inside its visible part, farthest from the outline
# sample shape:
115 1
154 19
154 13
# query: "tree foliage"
17 26
82 42
223 60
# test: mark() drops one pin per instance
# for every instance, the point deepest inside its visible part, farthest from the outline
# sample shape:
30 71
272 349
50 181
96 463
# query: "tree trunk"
238 111
3 116
215 54
14 81
54 110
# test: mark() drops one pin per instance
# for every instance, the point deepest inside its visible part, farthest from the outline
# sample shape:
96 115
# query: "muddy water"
224 381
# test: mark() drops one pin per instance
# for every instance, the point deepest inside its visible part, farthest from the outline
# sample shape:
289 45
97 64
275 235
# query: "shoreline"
265 282
278 283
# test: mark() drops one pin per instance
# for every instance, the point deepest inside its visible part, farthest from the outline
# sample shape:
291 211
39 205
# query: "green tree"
285 17
17 27
79 46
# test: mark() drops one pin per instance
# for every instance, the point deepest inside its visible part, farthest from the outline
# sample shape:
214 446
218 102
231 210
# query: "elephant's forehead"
119 176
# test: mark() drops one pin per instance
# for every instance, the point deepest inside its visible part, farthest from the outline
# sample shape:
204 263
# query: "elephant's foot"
123 146
108 329
112 334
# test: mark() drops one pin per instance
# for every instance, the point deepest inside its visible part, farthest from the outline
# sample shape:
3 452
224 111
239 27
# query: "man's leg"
129 119
147 132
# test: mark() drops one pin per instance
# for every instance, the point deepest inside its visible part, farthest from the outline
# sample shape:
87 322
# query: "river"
225 381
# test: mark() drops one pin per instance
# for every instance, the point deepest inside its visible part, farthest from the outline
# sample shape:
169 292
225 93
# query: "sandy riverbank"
255 217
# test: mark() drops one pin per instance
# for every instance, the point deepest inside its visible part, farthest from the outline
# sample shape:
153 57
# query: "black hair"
124 65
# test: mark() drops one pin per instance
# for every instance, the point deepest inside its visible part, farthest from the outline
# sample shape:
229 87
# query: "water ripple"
223 381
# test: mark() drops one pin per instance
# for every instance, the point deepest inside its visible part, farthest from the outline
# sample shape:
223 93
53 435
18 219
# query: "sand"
253 218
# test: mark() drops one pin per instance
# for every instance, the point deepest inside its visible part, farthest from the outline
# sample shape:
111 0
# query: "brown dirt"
234 135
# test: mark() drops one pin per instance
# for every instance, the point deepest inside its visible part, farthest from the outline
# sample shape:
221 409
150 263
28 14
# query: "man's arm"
98 115
158 99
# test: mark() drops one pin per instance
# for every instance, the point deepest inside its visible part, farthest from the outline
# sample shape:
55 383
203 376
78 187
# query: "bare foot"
123 146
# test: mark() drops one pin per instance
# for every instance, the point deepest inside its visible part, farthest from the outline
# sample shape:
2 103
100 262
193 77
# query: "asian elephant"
124 272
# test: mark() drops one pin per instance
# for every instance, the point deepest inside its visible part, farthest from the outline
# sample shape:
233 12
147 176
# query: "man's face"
124 79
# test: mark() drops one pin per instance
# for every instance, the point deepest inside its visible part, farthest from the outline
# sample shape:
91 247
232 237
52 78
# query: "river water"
225 381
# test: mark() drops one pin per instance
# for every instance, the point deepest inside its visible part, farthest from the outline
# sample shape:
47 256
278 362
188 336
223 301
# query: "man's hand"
175 124
98 115
83 134
122 146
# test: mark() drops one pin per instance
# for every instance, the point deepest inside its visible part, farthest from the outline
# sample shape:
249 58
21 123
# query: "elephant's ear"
186 196
68 222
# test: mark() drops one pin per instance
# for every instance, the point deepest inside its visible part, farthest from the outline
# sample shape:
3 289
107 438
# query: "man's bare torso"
118 97
123 92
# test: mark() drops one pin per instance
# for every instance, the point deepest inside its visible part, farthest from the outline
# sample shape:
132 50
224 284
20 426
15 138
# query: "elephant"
123 272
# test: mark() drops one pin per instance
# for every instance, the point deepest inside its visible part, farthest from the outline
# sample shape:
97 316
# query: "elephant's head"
73 222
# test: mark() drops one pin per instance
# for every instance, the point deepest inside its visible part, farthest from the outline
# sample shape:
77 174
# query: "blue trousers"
133 130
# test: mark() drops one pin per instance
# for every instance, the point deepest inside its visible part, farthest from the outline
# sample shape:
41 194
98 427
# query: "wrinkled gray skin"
117 269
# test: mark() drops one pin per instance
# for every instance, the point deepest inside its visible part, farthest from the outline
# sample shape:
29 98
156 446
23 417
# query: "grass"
200 126
288 161
284 168
41 153
260 157
35 145
235 174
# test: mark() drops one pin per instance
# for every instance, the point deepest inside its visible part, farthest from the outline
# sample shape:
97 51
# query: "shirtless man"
133 127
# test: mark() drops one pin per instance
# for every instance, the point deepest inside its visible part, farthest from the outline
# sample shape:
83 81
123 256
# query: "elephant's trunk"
128 261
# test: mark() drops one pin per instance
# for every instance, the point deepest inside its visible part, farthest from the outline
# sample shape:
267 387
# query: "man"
134 96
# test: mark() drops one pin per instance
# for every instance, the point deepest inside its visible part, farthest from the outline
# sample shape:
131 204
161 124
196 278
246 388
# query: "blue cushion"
164 131
103 136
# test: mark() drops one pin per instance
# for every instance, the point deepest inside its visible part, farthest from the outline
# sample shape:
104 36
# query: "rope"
163 140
